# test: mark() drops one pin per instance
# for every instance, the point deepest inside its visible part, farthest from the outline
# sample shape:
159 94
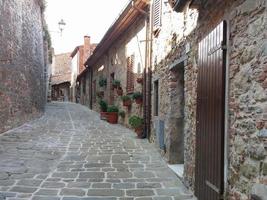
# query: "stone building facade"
122 42
61 77
175 59
22 62
78 57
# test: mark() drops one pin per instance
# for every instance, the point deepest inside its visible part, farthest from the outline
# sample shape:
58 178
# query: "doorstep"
178 169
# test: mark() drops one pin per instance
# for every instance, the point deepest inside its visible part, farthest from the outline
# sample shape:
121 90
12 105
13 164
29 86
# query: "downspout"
91 87
149 74
144 81
146 86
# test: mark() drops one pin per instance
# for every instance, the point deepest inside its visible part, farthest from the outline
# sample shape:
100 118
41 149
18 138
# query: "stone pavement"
69 154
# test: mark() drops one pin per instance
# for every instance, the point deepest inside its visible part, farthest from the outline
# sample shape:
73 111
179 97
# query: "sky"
82 17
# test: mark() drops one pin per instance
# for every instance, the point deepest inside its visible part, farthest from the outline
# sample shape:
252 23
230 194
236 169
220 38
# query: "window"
156 98
157 9
130 74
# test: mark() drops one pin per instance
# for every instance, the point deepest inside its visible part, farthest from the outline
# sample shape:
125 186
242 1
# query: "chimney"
87 47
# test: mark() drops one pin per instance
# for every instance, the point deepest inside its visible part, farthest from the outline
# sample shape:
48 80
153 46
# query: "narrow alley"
70 154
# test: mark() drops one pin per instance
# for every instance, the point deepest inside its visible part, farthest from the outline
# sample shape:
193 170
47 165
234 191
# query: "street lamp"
61 25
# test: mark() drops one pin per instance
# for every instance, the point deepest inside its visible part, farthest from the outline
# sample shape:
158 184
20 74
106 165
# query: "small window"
156 98
130 74
157 17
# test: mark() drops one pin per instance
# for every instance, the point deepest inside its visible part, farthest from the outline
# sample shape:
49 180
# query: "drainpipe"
146 77
144 81
91 87
149 74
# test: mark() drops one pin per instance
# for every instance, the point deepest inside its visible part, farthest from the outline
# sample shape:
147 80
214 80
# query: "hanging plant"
138 97
126 100
102 82
116 83
120 91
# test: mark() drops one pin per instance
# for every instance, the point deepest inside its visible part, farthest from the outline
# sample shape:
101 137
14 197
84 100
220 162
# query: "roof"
121 24
62 78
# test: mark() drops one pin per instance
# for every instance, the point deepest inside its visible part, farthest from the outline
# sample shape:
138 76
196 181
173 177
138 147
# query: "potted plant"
137 123
112 114
103 107
139 80
126 100
102 82
119 91
122 113
116 84
138 97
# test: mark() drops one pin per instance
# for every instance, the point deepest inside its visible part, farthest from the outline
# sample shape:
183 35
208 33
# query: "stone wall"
246 148
131 42
247 99
22 79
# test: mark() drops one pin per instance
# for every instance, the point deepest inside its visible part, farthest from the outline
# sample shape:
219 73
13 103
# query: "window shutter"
157 14
130 74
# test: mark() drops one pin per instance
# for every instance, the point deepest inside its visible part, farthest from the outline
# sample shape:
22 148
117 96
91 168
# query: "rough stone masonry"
22 82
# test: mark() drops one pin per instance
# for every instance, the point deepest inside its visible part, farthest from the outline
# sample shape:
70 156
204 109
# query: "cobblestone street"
69 154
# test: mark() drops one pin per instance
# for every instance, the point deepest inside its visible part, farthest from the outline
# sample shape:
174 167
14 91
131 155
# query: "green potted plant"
112 114
103 107
119 91
138 97
102 82
116 84
137 123
122 113
126 100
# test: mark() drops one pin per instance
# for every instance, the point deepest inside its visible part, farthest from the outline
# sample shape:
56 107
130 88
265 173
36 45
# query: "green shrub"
103 105
113 109
136 121
137 95
116 83
122 113
125 98
102 82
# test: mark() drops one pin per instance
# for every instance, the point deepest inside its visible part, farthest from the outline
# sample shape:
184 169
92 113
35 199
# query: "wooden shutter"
157 14
130 74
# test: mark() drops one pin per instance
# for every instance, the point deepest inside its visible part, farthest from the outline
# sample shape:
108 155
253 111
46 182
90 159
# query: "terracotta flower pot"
103 115
127 103
120 92
139 80
113 117
139 100
139 132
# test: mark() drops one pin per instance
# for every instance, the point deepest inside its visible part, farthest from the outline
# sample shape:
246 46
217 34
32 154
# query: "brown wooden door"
210 115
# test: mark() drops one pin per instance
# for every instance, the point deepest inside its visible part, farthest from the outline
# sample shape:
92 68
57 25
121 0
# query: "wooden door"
210 115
